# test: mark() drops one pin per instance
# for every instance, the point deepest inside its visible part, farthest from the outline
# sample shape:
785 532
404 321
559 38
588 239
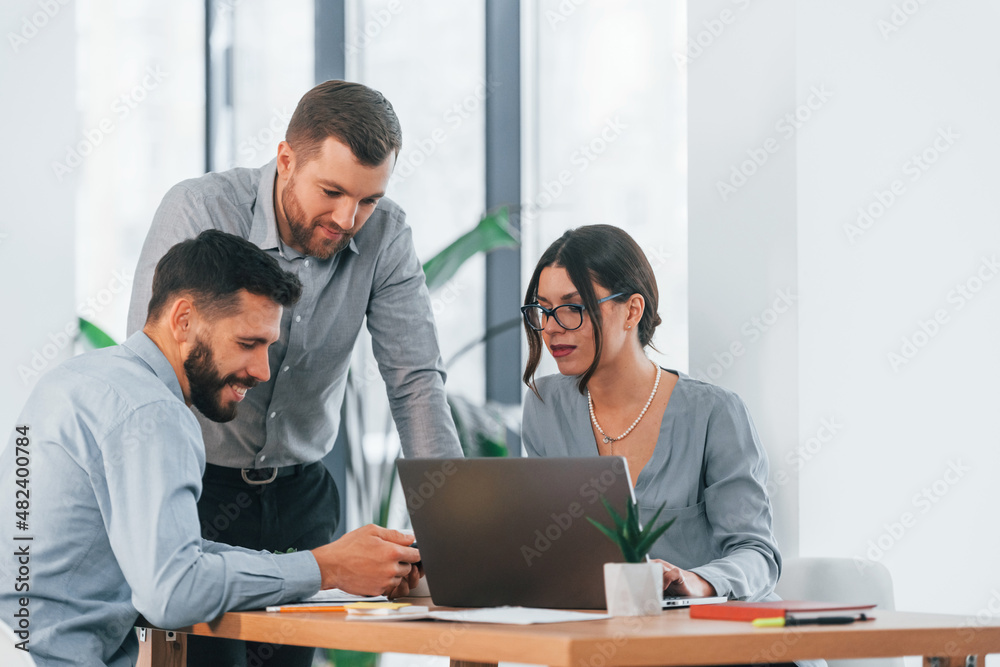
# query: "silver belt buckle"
274 476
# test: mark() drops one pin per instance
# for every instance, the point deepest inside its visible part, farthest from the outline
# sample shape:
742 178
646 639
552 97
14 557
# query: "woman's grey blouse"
708 466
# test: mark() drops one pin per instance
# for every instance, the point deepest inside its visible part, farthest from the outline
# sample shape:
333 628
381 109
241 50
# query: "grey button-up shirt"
113 465
294 417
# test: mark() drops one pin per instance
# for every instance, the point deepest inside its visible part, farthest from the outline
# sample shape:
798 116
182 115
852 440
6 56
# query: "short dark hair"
213 268
352 113
605 255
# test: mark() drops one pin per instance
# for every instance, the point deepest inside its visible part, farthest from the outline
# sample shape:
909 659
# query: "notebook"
749 611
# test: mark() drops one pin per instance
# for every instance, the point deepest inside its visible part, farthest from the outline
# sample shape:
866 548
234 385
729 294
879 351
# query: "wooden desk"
672 638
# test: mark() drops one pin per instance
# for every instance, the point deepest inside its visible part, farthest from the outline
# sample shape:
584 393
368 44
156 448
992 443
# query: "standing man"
107 462
319 210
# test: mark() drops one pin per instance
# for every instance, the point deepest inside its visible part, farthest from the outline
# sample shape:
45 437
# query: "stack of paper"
503 615
331 597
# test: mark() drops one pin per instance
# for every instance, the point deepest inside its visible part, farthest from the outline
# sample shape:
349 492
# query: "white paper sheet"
502 615
516 615
332 598
337 595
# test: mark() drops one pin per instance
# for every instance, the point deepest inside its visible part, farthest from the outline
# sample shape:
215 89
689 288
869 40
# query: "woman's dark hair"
605 255
212 268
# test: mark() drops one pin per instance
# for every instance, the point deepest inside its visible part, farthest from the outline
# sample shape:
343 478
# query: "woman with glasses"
592 302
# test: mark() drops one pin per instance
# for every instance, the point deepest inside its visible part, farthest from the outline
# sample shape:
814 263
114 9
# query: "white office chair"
839 580
9 655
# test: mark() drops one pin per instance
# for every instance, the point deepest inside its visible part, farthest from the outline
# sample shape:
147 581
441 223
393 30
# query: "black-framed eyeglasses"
569 315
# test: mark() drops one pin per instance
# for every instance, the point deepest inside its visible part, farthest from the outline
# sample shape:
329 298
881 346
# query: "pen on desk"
291 609
780 622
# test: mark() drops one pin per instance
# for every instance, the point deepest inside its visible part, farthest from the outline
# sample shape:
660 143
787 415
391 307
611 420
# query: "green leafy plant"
493 231
336 657
634 541
94 335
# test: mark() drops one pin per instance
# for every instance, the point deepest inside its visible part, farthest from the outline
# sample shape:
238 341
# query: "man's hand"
369 561
683 582
407 584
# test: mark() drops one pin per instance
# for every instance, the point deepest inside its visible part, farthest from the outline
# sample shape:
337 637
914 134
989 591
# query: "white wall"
895 457
742 237
37 216
903 84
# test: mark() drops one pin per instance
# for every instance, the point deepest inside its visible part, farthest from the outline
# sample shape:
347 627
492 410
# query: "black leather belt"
252 476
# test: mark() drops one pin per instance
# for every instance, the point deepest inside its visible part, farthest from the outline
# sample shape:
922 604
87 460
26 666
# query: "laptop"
513 531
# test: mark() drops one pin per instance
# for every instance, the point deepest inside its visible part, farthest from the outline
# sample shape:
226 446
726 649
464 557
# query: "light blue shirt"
115 463
708 467
376 281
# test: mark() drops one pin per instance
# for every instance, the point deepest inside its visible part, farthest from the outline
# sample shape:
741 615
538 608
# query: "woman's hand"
683 582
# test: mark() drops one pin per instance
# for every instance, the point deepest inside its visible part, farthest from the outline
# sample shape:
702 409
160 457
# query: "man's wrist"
707 590
301 573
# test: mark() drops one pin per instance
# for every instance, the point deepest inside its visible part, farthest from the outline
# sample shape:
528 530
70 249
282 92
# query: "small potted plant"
635 587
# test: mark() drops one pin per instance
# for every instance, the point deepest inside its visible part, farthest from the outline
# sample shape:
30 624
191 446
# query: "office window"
604 130
141 100
427 58
140 97
261 56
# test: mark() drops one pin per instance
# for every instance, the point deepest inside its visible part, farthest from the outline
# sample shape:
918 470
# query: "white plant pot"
633 589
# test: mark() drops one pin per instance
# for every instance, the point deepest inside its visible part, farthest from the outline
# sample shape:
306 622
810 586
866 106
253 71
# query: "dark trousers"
297 511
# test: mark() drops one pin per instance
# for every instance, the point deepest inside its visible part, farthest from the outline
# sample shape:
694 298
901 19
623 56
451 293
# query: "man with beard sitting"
115 460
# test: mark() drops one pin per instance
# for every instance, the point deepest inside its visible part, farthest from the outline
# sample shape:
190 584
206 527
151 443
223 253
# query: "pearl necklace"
608 438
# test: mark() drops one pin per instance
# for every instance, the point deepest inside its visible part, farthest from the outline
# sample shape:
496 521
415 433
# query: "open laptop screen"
514 531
